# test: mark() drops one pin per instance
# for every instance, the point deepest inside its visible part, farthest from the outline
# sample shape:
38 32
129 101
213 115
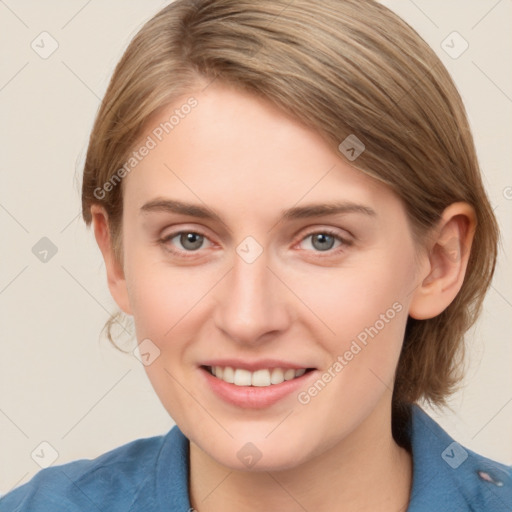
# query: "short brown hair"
342 67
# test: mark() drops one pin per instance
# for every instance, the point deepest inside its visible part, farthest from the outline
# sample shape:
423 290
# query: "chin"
276 453
274 462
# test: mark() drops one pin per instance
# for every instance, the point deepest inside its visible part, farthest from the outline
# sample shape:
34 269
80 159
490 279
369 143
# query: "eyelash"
191 254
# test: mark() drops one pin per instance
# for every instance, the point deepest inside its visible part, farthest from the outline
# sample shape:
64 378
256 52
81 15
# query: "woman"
288 202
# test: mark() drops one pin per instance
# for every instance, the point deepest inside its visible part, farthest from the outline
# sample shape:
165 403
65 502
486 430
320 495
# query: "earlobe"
115 274
448 257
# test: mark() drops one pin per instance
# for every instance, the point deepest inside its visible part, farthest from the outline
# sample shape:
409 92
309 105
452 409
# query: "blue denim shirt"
152 475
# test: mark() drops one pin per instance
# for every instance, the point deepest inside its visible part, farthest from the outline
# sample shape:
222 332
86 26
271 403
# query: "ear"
115 274
447 260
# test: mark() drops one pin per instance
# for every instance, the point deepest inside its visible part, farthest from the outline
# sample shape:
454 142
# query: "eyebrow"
296 212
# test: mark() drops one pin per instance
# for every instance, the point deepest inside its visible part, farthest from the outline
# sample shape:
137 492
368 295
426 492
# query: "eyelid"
327 230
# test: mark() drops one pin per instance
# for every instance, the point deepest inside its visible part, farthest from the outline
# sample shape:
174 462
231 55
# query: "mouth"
264 377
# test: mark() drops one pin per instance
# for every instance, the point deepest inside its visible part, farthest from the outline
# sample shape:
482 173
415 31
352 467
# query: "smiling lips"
258 378
255 385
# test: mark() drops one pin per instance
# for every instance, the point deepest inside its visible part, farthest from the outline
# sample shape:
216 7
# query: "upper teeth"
265 377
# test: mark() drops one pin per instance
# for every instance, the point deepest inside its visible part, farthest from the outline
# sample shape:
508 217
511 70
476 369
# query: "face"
259 275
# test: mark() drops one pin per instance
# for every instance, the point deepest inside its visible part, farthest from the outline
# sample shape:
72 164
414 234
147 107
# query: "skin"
246 160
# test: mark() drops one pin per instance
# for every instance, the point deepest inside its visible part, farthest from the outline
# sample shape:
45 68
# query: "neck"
365 471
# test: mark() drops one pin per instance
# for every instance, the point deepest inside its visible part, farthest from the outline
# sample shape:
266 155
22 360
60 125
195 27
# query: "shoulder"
449 476
111 481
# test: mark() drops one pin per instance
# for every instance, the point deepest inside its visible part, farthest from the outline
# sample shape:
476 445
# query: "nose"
252 303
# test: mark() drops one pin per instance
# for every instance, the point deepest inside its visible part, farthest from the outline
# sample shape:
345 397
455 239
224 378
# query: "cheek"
352 299
160 300
167 302
365 312
166 308
361 312
153 306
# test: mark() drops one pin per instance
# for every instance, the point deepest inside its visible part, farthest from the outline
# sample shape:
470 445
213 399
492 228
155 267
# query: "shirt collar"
445 474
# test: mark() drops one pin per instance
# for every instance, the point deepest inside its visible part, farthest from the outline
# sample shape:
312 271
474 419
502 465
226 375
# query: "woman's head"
251 108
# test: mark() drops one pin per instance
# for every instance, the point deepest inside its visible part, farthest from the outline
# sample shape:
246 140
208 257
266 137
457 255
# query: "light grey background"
63 385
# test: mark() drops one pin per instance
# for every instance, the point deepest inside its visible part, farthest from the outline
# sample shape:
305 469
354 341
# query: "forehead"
235 149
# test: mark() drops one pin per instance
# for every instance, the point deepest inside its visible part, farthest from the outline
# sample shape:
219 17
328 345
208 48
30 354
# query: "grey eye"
322 241
190 240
